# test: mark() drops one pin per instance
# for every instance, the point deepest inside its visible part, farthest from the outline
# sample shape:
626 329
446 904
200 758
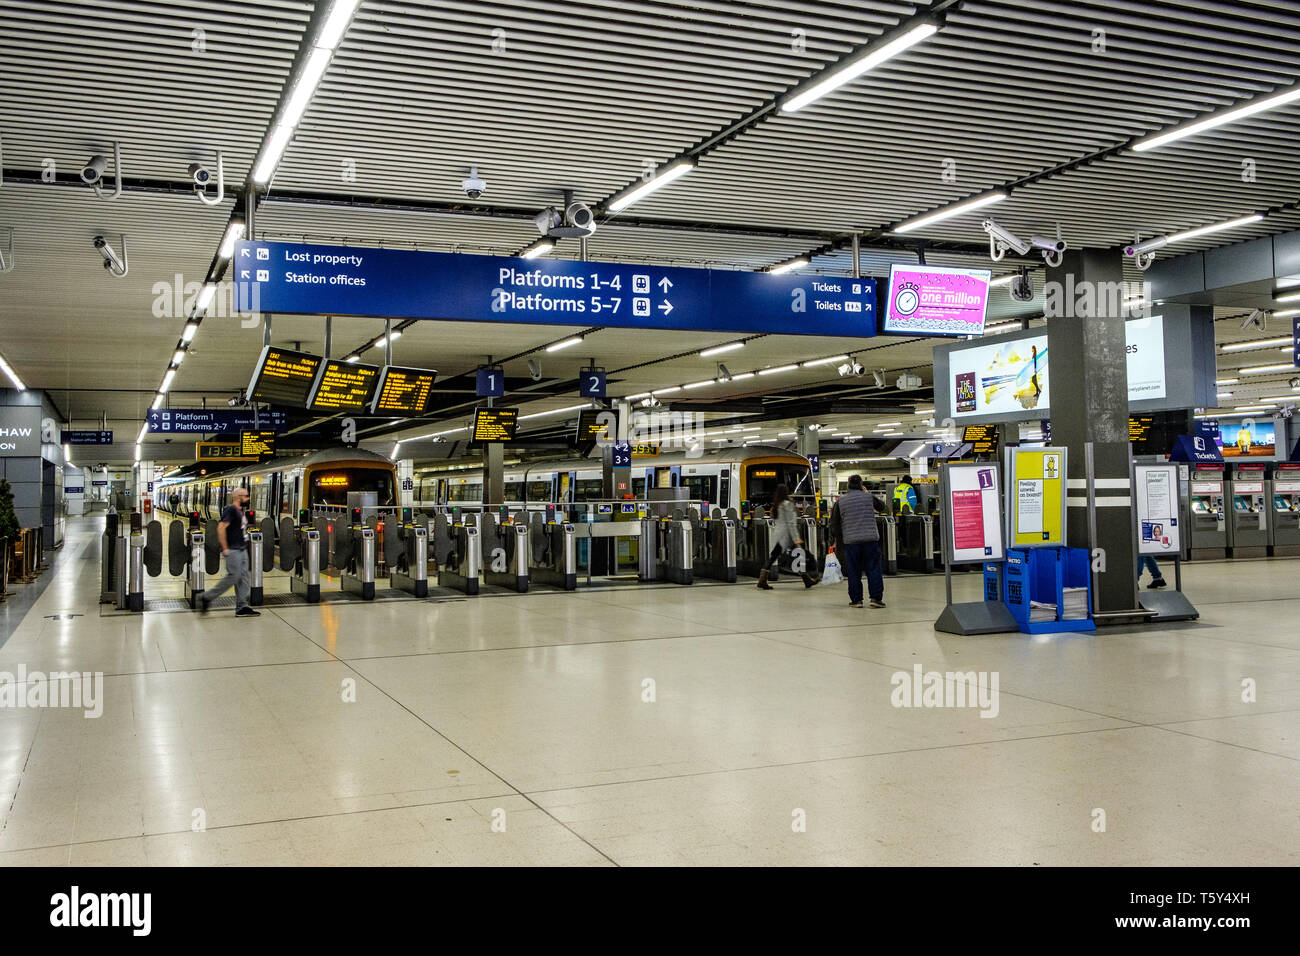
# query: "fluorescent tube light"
719 349
1289 95
576 340
843 73
661 178
948 212
779 368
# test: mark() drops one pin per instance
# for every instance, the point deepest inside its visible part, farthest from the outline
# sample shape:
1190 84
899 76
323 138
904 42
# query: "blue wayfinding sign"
1295 341
350 280
85 438
224 421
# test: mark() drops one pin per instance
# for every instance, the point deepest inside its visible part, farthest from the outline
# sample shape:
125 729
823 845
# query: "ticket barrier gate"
133 556
887 525
715 546
355 556
756 545
256 590
409 568
1284 529
505 551
108 576
1248 519
300 555
554 549
666 551
458 550
916 543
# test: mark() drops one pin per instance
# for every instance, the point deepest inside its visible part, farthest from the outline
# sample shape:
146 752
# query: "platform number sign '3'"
591 383
490 383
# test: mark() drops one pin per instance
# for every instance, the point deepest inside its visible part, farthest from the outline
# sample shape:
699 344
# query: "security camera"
1144 252
1001 239
535 370
200 174
1022 289
1295 383
112 262
579 221
547 219
908 380
474 187
93 171
724 373
879 376
1257 318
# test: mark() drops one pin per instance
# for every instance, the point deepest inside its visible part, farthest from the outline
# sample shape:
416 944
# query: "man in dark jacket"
857 541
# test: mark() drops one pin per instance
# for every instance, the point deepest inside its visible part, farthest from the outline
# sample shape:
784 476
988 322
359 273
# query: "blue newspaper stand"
1043 574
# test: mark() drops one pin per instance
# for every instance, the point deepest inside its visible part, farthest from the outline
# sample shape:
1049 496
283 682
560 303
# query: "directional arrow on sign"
665 283
243 273
243 252
665 307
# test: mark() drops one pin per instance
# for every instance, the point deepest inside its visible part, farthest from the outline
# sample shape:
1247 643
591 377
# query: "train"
317 483
723 477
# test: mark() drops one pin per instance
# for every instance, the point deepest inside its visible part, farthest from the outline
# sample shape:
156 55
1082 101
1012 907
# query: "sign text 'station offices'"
343 280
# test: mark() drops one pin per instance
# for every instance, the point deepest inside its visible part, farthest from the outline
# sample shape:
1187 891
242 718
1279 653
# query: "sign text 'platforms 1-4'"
347 280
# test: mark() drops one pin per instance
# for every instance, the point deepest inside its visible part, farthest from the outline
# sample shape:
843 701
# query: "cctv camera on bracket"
473 186
202 177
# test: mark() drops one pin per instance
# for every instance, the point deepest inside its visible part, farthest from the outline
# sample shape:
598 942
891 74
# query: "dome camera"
474 187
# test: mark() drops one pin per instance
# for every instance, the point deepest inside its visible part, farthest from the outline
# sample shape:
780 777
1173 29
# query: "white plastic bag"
831 573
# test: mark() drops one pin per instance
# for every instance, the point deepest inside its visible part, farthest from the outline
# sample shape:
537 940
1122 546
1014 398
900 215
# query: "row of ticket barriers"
464 550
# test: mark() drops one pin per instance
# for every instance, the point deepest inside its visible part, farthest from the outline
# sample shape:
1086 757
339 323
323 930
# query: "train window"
590 489
701 488
638 487
761 481
513 490
331 487
465 492
539 490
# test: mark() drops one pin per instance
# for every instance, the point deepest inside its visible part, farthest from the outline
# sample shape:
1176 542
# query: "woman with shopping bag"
787 537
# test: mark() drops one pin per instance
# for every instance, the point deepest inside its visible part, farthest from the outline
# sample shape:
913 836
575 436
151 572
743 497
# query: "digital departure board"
1156 434
283 377
259 445
404 391
1139 427
984 438
220 451
495 424
343 387
590 427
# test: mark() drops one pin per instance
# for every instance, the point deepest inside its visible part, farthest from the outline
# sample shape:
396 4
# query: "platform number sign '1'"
591 383
490 383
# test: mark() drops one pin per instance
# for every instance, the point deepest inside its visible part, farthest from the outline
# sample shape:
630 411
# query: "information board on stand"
1036 497
343 387
404 391
1157 509
283 377
970 502
495 424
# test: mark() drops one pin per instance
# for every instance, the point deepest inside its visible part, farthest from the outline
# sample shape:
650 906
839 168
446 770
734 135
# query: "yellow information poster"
1036 497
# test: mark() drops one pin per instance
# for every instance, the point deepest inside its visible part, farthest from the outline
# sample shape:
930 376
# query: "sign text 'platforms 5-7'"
347 280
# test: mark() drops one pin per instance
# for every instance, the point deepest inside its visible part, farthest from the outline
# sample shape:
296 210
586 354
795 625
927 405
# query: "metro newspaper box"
1042 575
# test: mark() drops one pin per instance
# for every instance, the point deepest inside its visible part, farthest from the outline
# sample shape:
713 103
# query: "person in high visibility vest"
904 497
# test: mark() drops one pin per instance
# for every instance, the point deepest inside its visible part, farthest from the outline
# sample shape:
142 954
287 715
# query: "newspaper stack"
1041 611
1075 604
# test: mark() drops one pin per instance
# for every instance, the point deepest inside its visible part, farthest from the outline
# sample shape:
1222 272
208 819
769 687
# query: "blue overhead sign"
85 438
349 280
1295 341
224 421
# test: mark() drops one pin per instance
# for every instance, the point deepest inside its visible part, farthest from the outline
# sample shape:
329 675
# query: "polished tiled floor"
516 730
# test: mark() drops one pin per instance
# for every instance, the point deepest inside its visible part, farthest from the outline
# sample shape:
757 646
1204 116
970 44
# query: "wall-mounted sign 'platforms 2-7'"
224 421
348 280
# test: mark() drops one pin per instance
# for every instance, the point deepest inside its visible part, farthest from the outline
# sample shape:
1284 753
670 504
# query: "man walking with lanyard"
234 545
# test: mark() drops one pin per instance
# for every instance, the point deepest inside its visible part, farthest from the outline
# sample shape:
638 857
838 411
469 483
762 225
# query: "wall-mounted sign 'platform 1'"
349 280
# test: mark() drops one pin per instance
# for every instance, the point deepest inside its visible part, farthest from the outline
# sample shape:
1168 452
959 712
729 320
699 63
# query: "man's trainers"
875 603
1157 584
247 612
856 604
203 604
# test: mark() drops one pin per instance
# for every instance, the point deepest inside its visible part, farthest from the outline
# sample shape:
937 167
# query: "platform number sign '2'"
591 383
490 383
622 454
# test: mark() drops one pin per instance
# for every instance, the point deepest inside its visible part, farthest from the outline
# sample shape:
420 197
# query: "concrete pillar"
1089 402
494 473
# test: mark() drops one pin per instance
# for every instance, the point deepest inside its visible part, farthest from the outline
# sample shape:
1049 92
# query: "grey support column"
494 479
1089 403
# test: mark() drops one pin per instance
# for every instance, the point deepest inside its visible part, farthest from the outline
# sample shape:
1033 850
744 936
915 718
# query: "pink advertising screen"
932 300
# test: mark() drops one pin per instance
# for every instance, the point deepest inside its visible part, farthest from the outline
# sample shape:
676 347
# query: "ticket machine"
1248 513
1208 530
1284 514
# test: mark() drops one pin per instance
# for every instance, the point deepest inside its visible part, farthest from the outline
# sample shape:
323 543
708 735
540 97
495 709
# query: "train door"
724 489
